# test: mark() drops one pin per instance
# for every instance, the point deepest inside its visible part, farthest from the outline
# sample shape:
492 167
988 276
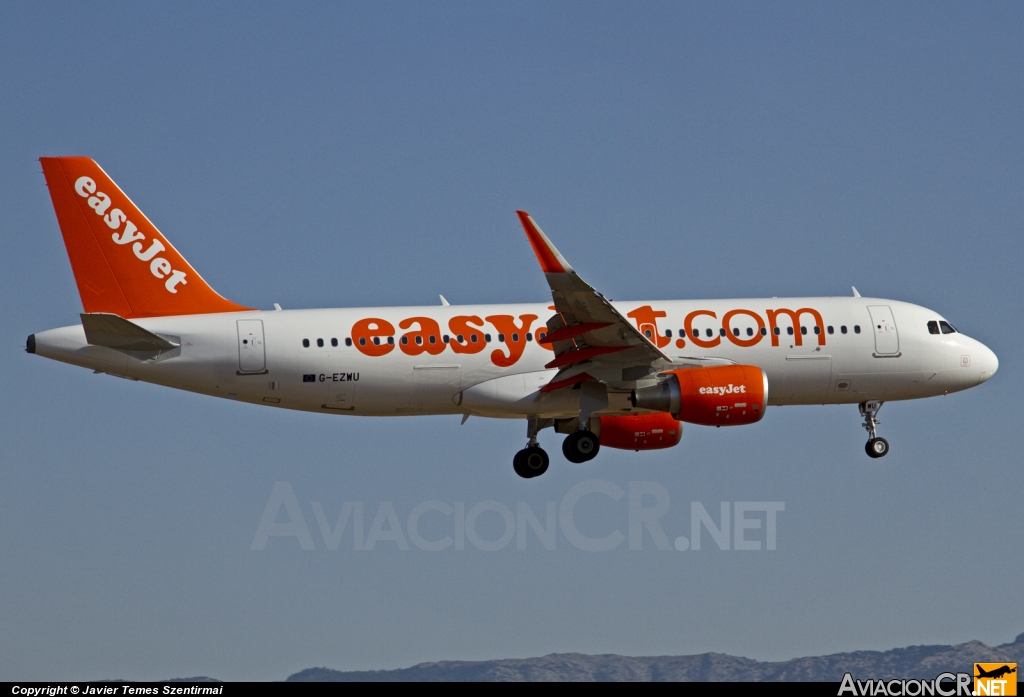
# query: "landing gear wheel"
877 447
580 446
517 465
531 462
567 453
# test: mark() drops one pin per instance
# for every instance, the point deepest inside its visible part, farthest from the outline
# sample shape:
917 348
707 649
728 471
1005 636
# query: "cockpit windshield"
933 327
947 328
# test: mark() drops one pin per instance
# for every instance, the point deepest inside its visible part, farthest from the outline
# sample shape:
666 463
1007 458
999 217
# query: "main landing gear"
580 446
532 461
875 447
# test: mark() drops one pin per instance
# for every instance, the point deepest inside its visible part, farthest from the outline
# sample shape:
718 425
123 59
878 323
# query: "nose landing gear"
875 447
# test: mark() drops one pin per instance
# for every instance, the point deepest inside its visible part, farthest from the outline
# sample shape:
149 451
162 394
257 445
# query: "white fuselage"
893 356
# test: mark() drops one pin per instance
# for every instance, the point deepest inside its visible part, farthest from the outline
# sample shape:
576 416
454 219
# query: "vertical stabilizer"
122 264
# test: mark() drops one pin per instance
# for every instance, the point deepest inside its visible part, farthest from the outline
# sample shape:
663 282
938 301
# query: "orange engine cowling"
721 395
640 431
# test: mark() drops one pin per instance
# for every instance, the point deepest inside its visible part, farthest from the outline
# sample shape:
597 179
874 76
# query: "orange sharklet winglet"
550 260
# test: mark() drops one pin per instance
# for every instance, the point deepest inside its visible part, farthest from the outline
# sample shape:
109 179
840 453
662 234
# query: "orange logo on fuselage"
514 337
794 317
374 336
647 322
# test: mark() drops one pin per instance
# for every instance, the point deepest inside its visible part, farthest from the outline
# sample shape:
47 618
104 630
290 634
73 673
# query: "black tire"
877 447
534 461
580 447
518 465
567 453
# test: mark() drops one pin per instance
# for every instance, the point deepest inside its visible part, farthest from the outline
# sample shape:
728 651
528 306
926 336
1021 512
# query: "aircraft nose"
989 363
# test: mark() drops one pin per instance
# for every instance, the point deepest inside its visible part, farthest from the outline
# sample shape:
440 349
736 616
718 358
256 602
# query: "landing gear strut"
582 444
875 447
532 461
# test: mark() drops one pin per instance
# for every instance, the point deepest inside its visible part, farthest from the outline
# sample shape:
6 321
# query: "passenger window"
529 336
803 330
391 341
444 338
947 328
764 332
647 333
487 338
668 333
842 329
348 341
789 330
735 331
334 342
721 332
305 343
709 333
515 337
433 339
817 329
933 327
856 329
320 343
831 330
362 341
696 333
777 331
405 340
419 340
501 337
750 332
376 341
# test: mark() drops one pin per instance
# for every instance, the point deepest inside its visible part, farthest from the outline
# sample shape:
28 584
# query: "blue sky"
327 155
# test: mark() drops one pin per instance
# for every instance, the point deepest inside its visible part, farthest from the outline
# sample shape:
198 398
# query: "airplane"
603 373
995 673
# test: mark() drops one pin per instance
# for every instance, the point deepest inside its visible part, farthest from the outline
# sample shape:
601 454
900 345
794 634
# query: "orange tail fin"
122 264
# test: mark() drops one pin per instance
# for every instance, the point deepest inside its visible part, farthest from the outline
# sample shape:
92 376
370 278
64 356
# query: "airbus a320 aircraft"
613 374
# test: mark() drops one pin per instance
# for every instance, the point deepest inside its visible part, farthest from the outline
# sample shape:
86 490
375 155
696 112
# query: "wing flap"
582 354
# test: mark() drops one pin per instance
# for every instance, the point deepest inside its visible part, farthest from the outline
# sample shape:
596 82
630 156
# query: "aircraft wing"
590 338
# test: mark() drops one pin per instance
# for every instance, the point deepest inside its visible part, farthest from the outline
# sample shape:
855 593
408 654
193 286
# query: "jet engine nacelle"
640 431
721 395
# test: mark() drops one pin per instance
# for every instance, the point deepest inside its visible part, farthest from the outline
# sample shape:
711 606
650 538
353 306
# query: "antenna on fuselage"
855 293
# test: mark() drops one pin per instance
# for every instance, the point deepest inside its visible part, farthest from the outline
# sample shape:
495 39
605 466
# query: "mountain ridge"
921 661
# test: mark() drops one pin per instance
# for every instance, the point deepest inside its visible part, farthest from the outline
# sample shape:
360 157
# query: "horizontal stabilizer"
112 331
